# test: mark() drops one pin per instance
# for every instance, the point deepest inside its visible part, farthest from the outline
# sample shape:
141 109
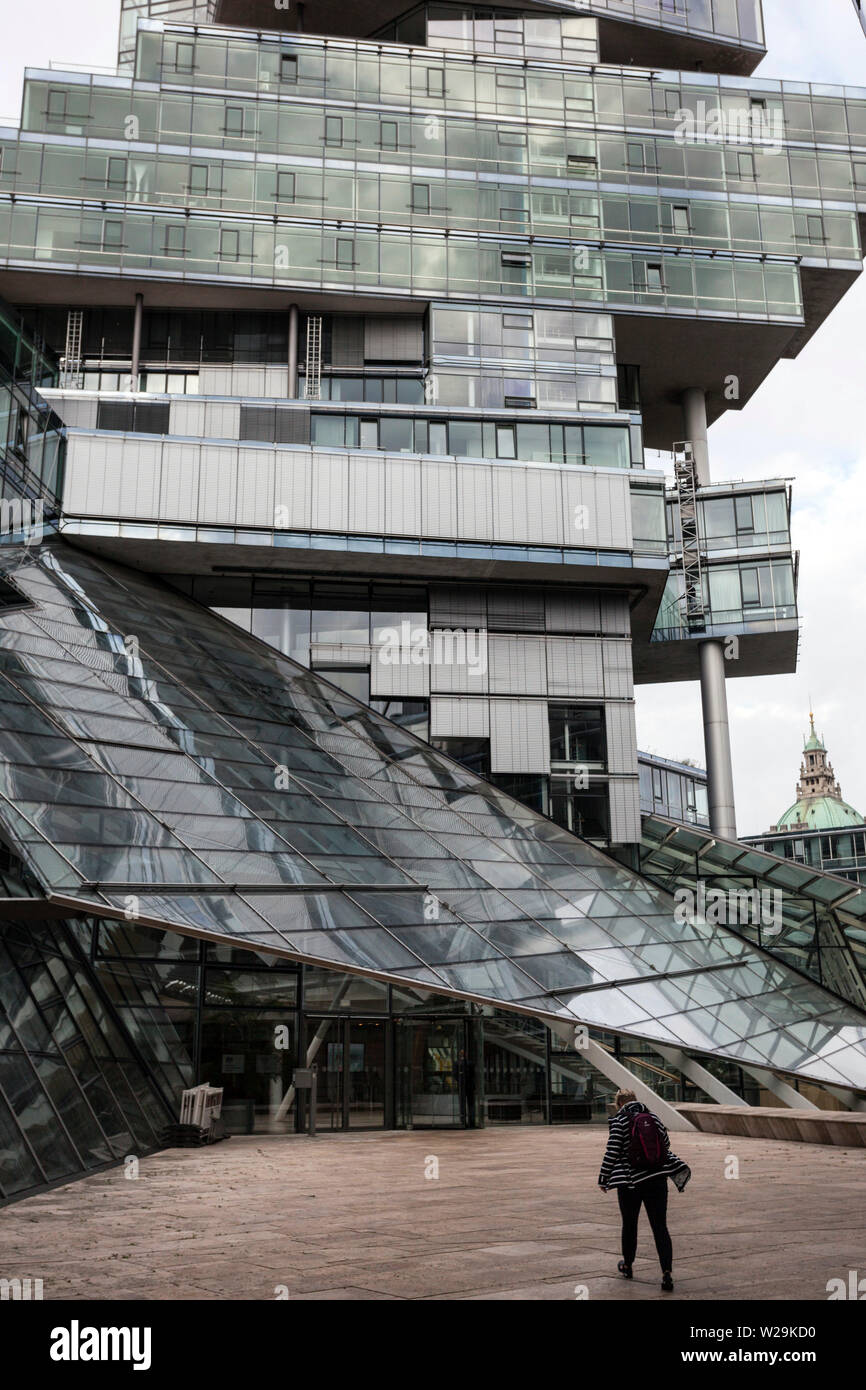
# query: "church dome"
819 804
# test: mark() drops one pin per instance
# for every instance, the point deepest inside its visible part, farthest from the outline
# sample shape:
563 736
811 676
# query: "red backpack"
645 1148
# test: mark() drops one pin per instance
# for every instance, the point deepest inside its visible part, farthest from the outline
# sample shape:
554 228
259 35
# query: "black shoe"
624 1269
667 1282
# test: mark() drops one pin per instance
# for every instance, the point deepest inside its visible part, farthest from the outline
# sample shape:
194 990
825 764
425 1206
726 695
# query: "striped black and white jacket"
616 1170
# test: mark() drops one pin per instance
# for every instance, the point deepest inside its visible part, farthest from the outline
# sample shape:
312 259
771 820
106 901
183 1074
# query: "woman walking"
638 1162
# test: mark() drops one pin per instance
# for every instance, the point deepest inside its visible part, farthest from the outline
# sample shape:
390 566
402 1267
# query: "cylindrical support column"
136 340
293 352
695 425
717 740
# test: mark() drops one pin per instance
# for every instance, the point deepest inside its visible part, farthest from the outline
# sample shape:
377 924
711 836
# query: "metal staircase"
314 357
71 375
691 560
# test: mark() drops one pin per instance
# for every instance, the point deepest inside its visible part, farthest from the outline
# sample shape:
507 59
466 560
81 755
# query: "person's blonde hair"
623 1097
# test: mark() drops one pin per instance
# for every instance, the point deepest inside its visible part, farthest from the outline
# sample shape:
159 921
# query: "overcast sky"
804 423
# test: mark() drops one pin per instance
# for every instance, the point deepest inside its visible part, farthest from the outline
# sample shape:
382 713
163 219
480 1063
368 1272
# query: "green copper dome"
819 804
819 813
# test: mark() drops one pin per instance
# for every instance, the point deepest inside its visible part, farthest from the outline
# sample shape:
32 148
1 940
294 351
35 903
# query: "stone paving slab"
514 1215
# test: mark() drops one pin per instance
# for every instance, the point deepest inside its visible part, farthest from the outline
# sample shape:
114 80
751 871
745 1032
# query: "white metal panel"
615 614
293 489
617 658
621 737
187 416
439 499
218 484
459 660
574 666
366 493
330 509
399 678
452 717
215 381
625 825
475 502
223 420
527 505
517 665
255 492
179 490
402 496
572 612
519 737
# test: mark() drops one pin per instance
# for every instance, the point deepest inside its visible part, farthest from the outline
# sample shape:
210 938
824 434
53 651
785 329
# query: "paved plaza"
513 1214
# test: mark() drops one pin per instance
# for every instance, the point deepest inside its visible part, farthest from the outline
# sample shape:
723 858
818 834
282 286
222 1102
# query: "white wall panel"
217 483
293 488
459 661
621 737
519 737
402 496
474 502
625 826
617 670
179 483
255 491
439 499
574 666
330 509
408 679
366 493
456 718
517 665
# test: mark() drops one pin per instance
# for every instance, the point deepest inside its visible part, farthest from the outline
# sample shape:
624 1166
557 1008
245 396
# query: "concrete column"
293 352
608 1065
695 425
780 1089
709 1084
717 740
136 339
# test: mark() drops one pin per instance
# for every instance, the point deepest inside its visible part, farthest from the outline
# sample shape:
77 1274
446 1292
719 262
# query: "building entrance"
353 1060
435 1074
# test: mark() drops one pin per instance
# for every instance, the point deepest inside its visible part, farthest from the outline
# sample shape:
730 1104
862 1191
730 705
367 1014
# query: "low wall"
844 1128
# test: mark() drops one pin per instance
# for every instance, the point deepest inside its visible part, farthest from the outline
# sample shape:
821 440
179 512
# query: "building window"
815 229
389 135
636 156
435 82
175 241
288 67
285 186
672 103
584 813
198 179
680 219
234 125
112 236
746 165
230 244
333 130
56 108
577 736
345 254
511 139
115 173
511 80
420 197
184 57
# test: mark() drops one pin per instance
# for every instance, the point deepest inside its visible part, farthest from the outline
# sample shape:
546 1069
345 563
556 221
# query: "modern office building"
820 829
365 324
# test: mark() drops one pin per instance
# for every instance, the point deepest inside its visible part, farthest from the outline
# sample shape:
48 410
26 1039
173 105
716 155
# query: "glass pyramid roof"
159 765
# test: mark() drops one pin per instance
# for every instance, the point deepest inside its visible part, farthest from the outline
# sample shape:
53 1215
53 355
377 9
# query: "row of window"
420 263
597 446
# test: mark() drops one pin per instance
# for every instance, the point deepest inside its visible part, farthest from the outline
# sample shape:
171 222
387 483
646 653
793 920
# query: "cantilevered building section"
364 319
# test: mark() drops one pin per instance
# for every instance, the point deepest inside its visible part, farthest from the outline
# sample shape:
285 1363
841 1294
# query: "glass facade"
31 435
76 1094
313 828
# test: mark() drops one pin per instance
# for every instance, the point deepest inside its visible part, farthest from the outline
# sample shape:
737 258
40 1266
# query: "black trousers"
653 1193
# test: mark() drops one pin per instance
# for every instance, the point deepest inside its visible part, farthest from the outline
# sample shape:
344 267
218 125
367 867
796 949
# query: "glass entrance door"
433 1084
352 1061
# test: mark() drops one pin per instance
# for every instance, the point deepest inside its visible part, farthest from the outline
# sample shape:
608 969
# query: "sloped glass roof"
159 765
